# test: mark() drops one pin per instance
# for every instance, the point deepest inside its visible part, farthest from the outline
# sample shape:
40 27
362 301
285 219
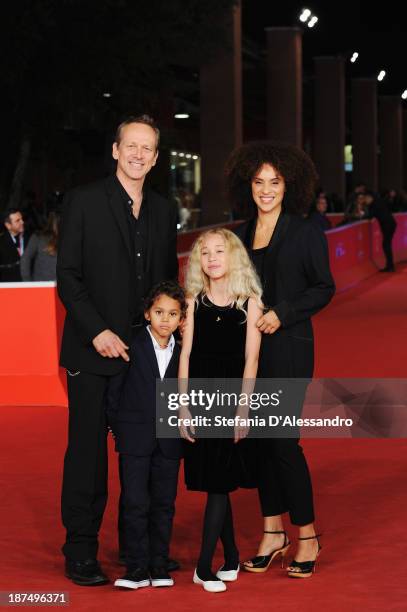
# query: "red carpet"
358 485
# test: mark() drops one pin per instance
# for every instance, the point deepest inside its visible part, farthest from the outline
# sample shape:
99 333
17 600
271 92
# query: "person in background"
12 245
378 208
318 212
395 200
359 189
357 211
39 260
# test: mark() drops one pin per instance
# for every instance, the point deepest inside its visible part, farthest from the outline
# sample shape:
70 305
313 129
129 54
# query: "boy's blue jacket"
131 405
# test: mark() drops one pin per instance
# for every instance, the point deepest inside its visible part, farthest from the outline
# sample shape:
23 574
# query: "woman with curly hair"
291 257
220 341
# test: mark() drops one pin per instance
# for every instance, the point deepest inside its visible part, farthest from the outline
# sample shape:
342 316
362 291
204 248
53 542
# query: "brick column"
364 132
221 119
284 84
405 149
329 124
390 139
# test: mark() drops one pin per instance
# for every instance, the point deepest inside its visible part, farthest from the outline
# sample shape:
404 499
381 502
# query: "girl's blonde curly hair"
243 282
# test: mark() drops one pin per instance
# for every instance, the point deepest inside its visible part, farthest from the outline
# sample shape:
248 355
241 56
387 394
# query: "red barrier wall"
31 318
349 254
335 218
31 315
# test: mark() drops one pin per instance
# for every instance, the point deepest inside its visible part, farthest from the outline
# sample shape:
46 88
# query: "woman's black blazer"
297 283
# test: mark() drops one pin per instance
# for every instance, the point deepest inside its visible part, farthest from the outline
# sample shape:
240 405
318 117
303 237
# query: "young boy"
149 465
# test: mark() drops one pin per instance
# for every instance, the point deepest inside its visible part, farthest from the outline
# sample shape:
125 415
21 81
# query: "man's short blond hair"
144 119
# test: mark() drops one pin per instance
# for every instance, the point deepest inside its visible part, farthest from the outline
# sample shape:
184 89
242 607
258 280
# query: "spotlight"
305 15
354 57
381 75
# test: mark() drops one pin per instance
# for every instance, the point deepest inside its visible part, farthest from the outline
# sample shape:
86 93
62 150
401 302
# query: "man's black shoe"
387 269
172 564
134 579
85 573
160 577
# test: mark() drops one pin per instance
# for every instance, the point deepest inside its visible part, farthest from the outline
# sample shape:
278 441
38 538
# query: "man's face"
136 153
15 225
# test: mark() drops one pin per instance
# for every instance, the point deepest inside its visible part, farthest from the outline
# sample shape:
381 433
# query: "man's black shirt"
138 230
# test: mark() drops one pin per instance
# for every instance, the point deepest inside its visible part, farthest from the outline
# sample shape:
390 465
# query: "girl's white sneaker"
212 586
228 575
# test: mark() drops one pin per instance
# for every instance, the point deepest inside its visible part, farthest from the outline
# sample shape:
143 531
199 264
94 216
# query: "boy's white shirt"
163 355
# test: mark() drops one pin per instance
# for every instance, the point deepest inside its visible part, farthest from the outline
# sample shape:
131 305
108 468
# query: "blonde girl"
220 340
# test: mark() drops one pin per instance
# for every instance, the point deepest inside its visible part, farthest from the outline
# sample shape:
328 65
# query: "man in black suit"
12 244
117 240
379 209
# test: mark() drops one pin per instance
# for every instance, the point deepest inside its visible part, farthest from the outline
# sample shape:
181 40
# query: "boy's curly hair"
172 290
293 164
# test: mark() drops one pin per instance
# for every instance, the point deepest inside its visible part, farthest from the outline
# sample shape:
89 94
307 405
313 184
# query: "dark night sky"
378 33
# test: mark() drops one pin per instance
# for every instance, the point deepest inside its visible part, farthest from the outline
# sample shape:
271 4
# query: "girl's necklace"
227 302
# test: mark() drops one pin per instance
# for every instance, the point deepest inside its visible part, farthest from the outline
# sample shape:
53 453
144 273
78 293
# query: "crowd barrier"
31 314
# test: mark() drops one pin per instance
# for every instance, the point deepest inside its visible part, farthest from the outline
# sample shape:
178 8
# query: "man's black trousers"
84 488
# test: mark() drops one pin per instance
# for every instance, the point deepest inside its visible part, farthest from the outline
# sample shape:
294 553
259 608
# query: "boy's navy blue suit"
149 466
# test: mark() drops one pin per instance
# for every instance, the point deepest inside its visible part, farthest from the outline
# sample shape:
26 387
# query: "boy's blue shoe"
160 577
134 579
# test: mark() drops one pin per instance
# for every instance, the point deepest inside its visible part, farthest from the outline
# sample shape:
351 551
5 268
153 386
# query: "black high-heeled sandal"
304 569
261 563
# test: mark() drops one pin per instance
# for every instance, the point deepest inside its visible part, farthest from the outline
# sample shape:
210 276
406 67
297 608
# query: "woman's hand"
268 323
184 417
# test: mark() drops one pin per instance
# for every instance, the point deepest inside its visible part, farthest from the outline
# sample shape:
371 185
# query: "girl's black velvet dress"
218 351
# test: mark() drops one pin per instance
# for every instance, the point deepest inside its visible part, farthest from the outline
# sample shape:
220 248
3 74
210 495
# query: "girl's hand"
185 429
241 429
268 323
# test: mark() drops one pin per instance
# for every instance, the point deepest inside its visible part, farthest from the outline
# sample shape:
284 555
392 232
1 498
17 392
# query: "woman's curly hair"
293 164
